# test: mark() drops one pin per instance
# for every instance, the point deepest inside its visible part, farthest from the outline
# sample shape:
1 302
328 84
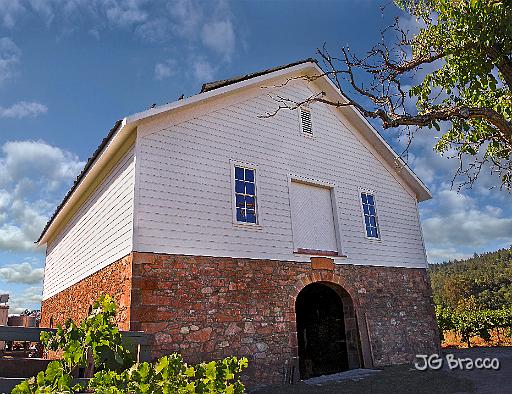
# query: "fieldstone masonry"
75 301
211 307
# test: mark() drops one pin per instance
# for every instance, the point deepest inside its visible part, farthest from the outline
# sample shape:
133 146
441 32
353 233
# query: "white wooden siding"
184 194
100 233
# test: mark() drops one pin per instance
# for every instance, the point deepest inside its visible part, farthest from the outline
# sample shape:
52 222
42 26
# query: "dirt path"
406 379
487 381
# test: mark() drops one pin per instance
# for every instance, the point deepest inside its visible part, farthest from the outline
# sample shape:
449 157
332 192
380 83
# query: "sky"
70 68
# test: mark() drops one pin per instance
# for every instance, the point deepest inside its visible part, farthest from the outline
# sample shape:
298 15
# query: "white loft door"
312 218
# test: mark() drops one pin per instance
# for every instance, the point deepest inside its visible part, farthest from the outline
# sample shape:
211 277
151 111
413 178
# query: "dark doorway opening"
321 331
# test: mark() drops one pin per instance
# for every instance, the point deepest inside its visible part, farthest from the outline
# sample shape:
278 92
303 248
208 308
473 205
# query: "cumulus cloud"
9 58
32 176
23 109
30 298
460 221
24 273
37 161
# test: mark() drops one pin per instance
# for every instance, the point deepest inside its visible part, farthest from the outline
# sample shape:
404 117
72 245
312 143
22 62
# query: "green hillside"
483 281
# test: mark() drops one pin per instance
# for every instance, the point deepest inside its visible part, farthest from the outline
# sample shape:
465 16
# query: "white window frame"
336 218
307 108
237 163
372 192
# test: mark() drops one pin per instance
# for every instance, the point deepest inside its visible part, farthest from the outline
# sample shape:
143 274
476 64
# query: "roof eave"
107 147
216 92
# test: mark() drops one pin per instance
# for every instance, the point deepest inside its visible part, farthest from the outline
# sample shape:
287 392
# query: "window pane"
239 173
366 210
372 232
240 201
373 222
240 215
250 202
366 220
368 231
371 209
376 233
369 197
249 188
363 198
251 218
249 175
239 187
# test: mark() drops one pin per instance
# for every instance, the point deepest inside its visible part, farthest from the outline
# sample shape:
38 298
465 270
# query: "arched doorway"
321 333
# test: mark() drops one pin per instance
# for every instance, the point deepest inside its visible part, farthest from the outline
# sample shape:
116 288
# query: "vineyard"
492 327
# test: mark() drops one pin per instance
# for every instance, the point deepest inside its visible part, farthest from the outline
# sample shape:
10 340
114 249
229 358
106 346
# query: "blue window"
370 215
245 195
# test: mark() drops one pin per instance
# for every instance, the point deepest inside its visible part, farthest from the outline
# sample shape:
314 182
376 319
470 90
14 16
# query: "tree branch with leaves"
456 68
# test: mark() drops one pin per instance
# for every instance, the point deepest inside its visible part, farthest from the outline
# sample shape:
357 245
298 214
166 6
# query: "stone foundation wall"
75 301
208 307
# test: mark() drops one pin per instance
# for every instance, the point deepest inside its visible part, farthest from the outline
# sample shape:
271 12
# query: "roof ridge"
209 86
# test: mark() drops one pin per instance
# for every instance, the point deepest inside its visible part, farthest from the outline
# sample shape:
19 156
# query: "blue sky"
70 68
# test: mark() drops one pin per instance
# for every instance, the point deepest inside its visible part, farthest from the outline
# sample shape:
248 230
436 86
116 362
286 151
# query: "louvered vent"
305 121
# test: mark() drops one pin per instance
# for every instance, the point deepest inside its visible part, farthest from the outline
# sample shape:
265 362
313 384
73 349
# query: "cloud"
30 298
37 161
33 175
440 255
155 30
203 70
22 226
23 109
186 16
10 11
165 69
199 26
460 221
126 13
23 273
9 58
220 37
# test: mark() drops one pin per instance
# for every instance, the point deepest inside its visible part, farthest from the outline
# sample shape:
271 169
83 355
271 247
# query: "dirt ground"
498 338
406 379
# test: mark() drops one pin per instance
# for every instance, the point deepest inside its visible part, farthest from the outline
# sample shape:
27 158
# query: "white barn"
210 223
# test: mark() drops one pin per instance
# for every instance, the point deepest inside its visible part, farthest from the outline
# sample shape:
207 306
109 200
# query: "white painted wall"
100 233
184 193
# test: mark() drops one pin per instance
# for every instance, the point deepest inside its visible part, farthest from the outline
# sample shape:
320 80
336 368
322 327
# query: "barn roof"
209 86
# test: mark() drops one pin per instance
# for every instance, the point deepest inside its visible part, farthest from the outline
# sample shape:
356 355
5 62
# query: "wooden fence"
22 368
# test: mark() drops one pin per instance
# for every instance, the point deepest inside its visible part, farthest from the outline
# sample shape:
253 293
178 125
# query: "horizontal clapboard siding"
184 202
100 233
